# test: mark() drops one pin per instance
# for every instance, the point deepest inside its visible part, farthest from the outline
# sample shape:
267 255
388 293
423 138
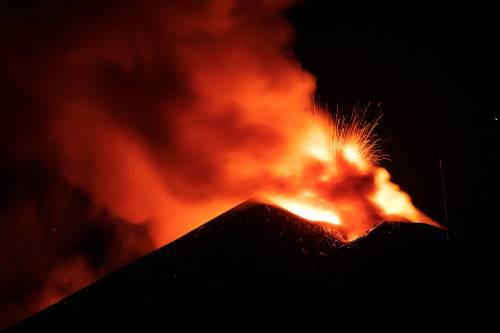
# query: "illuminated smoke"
166 114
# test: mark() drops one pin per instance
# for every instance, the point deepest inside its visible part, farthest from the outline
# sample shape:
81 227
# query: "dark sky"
434 71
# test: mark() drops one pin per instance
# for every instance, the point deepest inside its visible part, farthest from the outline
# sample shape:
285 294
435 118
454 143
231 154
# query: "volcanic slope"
257 253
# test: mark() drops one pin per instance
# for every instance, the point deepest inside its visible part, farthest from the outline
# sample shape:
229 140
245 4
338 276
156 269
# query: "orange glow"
168 117
351 153
196 127
332 176
395 202
308 207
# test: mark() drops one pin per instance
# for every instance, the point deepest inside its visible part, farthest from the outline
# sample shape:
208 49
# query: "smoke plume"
125 124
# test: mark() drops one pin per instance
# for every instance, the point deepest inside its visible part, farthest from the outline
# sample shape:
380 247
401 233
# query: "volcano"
258 253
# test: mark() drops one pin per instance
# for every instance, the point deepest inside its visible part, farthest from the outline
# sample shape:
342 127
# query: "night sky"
431 71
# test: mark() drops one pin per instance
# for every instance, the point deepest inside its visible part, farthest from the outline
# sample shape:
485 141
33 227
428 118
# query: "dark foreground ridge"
260 254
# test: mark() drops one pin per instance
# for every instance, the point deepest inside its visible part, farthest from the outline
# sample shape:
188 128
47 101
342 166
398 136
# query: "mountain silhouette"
260 254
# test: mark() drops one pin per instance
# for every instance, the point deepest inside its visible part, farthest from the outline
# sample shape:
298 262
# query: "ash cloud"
123 125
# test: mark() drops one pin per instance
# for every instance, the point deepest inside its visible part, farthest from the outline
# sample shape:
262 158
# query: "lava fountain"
333 175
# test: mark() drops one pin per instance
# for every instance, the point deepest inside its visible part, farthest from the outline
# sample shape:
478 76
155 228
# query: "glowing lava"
309 208
334 177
